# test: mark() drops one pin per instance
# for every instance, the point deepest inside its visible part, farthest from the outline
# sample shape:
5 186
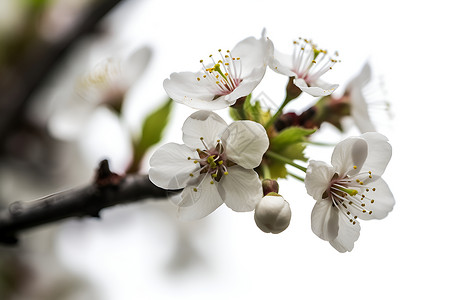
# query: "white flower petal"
349 153
379 154
241 189
383 201
347 236
70 119
324 220
359 110
316 89
282 64
170 167
247 86
317 179
362 78
198 204
253 53
204 124
136 64
185 88
245 143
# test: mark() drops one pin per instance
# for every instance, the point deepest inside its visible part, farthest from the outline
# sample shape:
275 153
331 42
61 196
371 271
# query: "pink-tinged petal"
379 154
324 220
349 156
245 143
186 88
317 179
170 167
205 124
347 236
383 201
318 89
241 189
136 64
247 86
196 204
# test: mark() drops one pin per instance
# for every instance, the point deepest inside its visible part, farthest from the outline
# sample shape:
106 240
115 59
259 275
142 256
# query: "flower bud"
269 186
272 213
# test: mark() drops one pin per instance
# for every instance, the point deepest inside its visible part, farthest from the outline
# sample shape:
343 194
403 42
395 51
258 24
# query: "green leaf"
289 136
289 143
295 152
255 112
153 127
277 170
238 112
234 114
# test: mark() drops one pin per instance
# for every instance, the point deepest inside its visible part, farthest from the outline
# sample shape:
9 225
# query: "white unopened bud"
272 213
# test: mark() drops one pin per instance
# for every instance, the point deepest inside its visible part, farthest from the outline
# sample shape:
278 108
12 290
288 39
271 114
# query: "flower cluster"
239 163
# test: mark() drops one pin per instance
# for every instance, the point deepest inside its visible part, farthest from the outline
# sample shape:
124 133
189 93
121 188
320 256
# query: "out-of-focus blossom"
106 84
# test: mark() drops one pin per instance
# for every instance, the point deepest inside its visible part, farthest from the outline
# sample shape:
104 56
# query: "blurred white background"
142 251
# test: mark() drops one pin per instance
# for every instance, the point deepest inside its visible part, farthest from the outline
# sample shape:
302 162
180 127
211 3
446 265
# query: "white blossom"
350 189
306 64
213 166
220 83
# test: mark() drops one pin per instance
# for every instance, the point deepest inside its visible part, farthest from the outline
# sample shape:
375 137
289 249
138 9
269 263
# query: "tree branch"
109 189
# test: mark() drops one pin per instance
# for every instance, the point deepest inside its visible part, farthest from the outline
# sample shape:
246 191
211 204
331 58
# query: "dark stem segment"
109 189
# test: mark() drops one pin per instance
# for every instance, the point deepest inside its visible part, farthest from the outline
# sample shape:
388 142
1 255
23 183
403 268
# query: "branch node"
105 178
15 208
